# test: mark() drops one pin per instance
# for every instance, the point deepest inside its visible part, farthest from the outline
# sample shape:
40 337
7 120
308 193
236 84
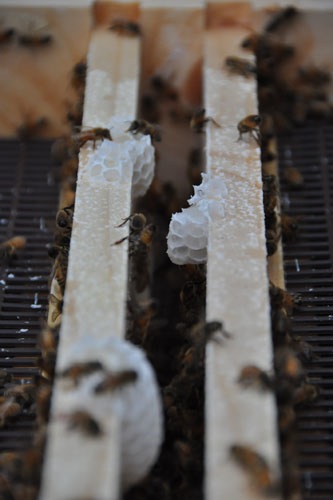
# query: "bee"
82 421
288 366
78 76
35 39
64 220
250 125
272 240
267 49
312 75
141 317
164 88
10 248
280 326
145 128
55 310
199 120
81 369
31 128
125 27
240 66
252 376
281 18
305 394
289 227
60 266
256 466
92 134
192 294
115 380
140 240
149 107
4 377
270 193
6 35
294 178
21 393
281 298
9 408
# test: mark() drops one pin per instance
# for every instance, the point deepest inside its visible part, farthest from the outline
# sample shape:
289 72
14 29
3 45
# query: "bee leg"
118 242
124 221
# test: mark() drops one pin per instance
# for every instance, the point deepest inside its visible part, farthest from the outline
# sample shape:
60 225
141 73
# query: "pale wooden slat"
237 284
96 286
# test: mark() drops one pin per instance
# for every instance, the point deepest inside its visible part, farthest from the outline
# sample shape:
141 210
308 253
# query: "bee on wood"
35 39
256 466
92 134
31 128
294 178
116 380
240 66
10 248
64 220
140 240
270 193
252 376
199 120
281 18
281 298
145 128
78 76
250 125
9 408
125 27
82 421
305 394
81 369
6 35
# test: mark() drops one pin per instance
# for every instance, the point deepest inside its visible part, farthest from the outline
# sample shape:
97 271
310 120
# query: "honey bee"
6 35
31 128
192 294
64 220
252 376
80 369
164 88
294 178
149 107
305 394
78 76
35 39
240 66
280 326
281 18
145 128
199 120
82 421
21 393
9 408
125 27
10 248
140 240
93 134
288 366
281 298
250 125
270 193
115 380
256 466
289 227
272 240
267 48
286 419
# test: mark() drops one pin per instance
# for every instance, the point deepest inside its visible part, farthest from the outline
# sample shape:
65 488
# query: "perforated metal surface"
308 263
28 203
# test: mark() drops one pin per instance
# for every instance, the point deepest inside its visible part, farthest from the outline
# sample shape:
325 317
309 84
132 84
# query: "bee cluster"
289 94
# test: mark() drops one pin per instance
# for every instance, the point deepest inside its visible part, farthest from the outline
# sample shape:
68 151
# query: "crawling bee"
294 178
22 393
199 120
47 343
250 125
281 298
9 248
80 369
288 366
145 128
272 240
115 380
82 421
240 66
256 466
31 128
125 27
140 240
281 18
6 35
252 376
305 394
64 220
92 134
9 408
